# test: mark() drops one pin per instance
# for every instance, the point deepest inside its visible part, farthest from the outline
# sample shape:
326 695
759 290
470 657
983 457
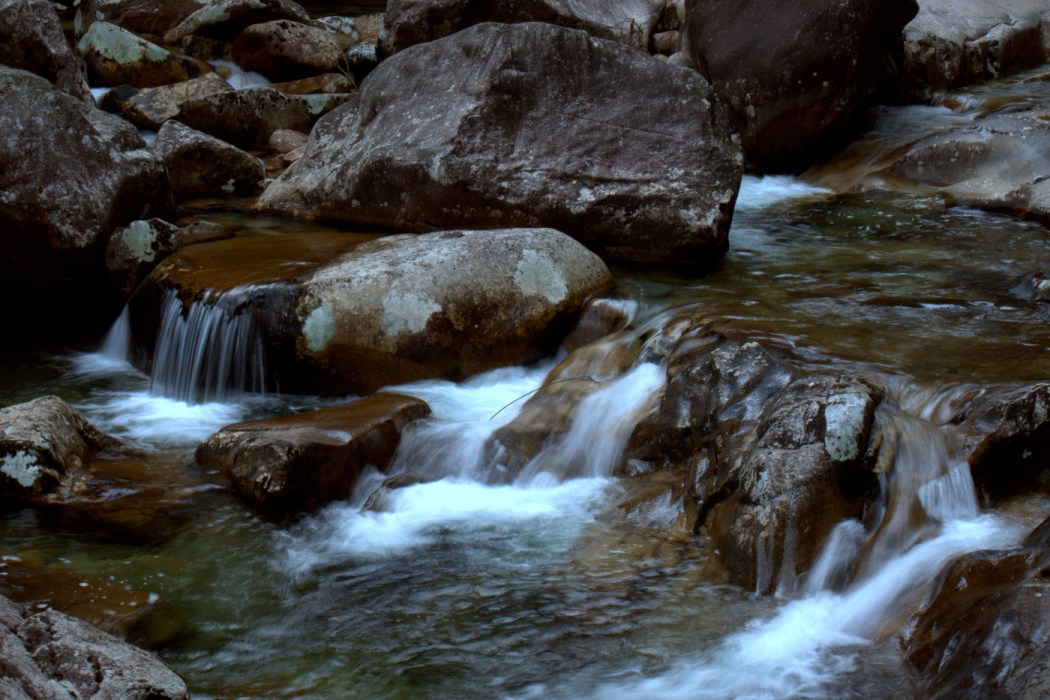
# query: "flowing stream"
555 580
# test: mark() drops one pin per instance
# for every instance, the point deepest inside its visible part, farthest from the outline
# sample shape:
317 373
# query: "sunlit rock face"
340 316
794 75
528 125
69 174
410 22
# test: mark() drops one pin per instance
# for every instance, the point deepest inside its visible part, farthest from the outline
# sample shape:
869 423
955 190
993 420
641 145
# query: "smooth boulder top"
528 125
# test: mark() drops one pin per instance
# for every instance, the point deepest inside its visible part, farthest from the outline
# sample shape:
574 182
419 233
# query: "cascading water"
210 352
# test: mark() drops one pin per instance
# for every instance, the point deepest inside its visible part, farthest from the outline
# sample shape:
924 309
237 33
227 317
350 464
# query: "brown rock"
225 19
200 165
329 83
294 464
33 41
283 49
285 140
139 16
151 107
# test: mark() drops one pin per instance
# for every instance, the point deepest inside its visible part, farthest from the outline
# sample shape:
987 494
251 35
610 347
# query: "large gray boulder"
69 174
795 75
293 464
51 656
33 41
410 22
951 43
529 125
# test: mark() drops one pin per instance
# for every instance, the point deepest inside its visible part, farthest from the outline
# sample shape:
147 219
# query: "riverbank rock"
283 50
337 315
134 250
777 453
632 157
797 75
225 19
294 464
115 56
33 41
1008 440
51 655
139 16
248 117
952 43
71 174
151 107
200 165
984 633
410 22
41 442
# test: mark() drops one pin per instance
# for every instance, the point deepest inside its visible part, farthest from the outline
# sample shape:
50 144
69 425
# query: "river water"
557 581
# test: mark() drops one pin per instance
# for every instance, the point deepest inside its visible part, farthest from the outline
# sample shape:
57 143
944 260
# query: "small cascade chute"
117 345
211 352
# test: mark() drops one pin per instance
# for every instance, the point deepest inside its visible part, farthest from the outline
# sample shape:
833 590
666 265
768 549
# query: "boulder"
530 125
115 56
952 43
283 50
410 22
51 656
139 16
89 173
285 140
338 316
248 117
1007 440
41 443
776 452
200 165
984 633
134 250
294 464
149 108
795 76
225 19
361 59
33 41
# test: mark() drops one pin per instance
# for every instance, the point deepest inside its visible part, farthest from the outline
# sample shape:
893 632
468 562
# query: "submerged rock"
115 56
796 75
33 41
200 165
41 443
410 22
294 464
89 172
632 157
985 633
51 655
283 49
951 43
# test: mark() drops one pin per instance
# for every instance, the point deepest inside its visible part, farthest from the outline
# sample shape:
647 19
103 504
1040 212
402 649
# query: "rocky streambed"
460 356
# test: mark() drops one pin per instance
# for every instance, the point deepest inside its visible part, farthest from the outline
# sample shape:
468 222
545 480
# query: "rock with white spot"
294 464
115 56
795 75
134 250
410 22
41 442
200 165
33 41
530 125
71 174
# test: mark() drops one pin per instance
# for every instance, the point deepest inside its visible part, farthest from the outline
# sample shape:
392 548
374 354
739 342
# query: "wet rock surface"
632 157
794 76
410 22
41 443
49 655
90 172
951 43
984 633
200 165
33 41
134 250
293 464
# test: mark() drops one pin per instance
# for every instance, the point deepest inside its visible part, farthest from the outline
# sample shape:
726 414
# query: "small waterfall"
211 353
117 345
